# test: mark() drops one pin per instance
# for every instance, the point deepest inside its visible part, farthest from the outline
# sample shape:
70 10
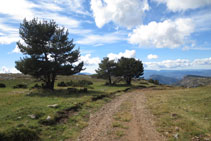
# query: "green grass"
17 104
186 112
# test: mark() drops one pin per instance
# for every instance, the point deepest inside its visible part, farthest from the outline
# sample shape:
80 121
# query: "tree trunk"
49 84
128 80
53 81
109 79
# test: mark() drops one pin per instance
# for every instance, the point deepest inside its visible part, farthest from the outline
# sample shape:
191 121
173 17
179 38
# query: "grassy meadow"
27 111
182 114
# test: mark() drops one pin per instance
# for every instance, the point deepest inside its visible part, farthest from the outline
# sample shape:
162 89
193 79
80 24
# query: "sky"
163 34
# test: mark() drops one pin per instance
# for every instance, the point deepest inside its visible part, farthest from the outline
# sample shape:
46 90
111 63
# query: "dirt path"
125 118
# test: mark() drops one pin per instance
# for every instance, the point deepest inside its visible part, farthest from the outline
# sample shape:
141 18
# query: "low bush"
80 83
21 86
2 85
62 84
19 134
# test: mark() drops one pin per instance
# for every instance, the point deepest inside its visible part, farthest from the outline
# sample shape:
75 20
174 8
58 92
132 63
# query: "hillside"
164 79
195 81
177 74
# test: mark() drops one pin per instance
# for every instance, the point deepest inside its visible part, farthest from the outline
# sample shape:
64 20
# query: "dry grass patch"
182 114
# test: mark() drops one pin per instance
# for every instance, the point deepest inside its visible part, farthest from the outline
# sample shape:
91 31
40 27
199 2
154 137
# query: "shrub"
22 86
2 85
70 83
19 134
80 83
62 84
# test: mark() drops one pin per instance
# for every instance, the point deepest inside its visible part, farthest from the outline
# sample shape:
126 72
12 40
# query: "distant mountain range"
194 81
177 74
172 77
84 73
164 79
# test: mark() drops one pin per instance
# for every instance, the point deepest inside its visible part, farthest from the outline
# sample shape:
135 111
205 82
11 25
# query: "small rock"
166 133
177 128
53 106
19 117
176 136
174 115
48 118
32 116
196 138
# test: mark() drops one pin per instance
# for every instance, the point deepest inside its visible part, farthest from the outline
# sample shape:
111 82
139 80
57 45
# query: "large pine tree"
48 51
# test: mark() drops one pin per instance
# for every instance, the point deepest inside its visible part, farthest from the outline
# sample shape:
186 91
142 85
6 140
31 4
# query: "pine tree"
106 69
129 68
48 51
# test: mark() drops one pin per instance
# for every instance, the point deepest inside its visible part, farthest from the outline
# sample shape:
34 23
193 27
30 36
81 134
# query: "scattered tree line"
48 53
126 68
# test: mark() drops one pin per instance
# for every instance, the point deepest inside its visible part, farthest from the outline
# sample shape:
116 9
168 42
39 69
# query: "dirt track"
139 128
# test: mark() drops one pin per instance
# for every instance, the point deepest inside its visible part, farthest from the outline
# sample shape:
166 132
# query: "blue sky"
164 34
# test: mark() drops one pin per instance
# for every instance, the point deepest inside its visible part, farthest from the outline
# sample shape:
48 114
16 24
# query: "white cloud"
16 50
50 6
152 56
13 12
68 22
8 70
186 48
8 39
88 61
125 13
93 39
179 64
90 69
203 61
126 54
202 20
5 28
168 64
182 5
76 6
18 9
170 34
9 34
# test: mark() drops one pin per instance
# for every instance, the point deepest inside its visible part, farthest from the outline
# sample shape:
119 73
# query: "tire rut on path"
141 127
100 121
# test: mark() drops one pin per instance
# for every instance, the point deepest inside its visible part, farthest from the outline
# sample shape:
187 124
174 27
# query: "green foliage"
62 84
80 83
106 69
48 51
85 82
129 68
2 85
